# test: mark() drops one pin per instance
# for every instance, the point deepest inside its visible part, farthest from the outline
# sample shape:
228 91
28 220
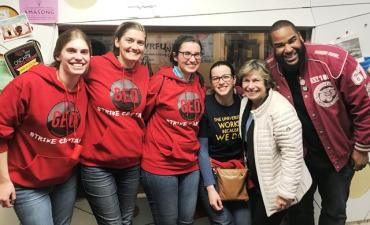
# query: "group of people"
299 121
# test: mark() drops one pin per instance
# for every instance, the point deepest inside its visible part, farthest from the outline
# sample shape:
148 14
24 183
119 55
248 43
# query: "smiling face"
222 80
287 45
74 58
190 65
254 87
131 47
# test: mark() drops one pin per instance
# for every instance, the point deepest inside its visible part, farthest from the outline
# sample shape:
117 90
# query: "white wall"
335 21
186 13
329 19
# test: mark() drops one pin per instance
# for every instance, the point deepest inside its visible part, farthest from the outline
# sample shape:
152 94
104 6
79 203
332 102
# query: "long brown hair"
122 29
65 38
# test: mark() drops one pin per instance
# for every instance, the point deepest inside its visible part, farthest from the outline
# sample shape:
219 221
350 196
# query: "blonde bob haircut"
259 66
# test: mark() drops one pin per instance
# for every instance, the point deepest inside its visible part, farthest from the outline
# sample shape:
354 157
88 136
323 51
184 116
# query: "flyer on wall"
41 11
23 57
15 27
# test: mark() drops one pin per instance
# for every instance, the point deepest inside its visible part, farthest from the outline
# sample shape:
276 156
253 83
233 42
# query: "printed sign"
40 11
22 58
351 43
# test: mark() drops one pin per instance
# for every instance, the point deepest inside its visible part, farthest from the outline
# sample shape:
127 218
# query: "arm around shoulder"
155 86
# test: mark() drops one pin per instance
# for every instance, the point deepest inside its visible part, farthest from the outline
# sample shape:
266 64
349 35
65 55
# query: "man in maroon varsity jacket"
331 94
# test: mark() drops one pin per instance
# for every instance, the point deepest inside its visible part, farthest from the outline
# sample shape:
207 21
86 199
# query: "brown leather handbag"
232 184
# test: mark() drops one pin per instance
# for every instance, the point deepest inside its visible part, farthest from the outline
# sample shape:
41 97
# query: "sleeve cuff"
285 194
3 146
209 182
361 147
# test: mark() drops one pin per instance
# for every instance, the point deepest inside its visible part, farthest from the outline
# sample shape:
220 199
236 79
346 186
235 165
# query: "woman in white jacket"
272 137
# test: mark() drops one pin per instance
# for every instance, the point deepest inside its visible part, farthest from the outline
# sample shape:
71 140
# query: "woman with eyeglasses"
175 104
221 144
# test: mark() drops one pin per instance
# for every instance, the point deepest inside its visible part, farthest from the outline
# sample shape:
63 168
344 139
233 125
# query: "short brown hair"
177 45
280 24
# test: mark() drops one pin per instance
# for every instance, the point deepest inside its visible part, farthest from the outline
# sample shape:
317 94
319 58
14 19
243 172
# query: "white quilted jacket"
278 151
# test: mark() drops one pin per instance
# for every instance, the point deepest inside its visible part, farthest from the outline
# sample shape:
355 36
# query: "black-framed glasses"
188 55
224 77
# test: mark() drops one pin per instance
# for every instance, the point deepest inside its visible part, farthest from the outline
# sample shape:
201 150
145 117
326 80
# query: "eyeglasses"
224 77
188 55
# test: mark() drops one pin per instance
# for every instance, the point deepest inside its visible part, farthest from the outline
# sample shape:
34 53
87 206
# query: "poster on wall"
22 58
15 27
5 75
40 11
351 43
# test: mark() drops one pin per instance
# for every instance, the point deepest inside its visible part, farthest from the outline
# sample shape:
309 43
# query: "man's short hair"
283 23
280 24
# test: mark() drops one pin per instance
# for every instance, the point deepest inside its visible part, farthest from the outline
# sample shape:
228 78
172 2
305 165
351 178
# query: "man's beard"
301 60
